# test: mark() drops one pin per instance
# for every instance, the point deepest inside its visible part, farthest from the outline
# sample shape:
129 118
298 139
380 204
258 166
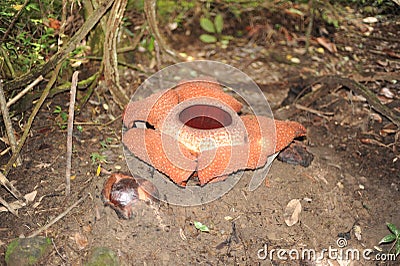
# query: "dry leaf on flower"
81 240
292 212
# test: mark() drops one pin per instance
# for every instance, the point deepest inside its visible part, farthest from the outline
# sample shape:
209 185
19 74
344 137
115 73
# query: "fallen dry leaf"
331 47
292 212
31 196
387 93
357 232
15 205
54 23
36 204
81 240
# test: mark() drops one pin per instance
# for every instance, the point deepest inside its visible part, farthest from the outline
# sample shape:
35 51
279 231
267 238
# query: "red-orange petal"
222 161
162 152
152 109
196 89
286 131
262 139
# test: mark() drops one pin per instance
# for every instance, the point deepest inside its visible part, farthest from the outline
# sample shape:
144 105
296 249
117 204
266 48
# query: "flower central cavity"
205 117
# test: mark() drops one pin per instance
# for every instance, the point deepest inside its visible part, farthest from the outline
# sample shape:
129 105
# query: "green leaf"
150 46
397 248
207 25
219 23
201 227
387 239
393 229
57 110
32 6
64 116
207 38
225 42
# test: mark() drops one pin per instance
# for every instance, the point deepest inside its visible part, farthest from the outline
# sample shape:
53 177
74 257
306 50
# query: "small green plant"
31 39
214 30
201 227
394 238
98 158
105 143
62 117
147 44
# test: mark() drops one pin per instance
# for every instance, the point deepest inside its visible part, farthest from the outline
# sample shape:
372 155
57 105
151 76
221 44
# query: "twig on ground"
112 121
10 187
5 151
369 95
7 123
387 76
331 82
9 208
28 125
24 91
69 132
313 111
59 217
56 249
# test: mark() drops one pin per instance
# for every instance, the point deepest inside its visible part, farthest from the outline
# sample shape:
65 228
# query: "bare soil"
351 186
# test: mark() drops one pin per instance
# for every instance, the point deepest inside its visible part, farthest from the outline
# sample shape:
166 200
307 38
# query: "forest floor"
350 190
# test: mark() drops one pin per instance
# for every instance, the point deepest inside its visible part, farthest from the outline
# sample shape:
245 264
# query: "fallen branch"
69 132
313 111
28 125
330 83
7 122
369 95
10 187
28 100
24 91
9 208
59 217
387 76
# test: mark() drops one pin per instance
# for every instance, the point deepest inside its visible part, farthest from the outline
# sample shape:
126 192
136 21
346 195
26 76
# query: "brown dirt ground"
348 184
